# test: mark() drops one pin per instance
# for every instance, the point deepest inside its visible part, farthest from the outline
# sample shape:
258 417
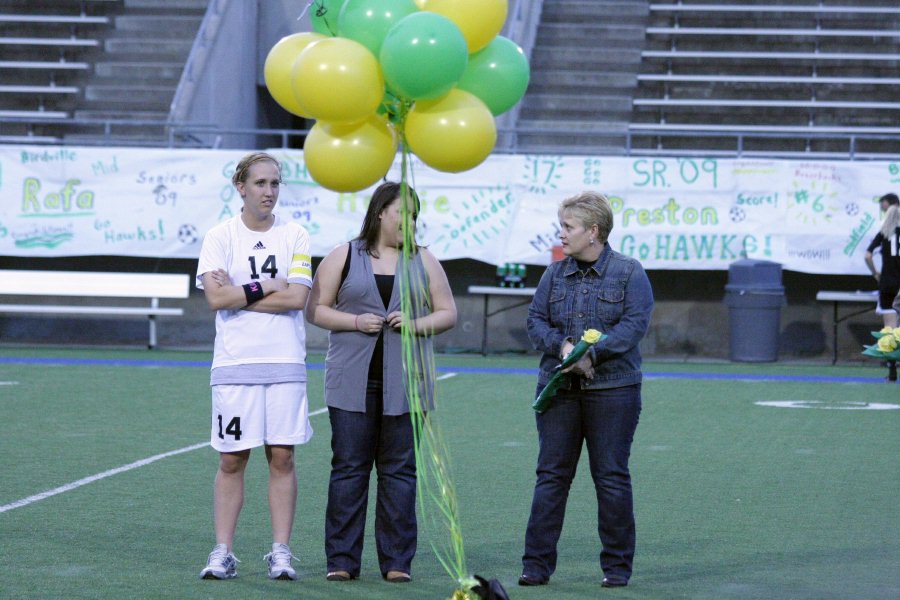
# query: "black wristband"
253 292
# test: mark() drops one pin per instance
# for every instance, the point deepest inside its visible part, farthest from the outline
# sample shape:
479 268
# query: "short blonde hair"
590 208
242 170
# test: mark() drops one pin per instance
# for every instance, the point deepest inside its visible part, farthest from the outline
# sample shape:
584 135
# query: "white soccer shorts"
248 416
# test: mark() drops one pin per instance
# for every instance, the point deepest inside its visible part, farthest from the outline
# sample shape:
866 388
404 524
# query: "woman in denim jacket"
594 287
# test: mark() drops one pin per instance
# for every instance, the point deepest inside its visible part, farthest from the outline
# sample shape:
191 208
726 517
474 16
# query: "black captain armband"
253 292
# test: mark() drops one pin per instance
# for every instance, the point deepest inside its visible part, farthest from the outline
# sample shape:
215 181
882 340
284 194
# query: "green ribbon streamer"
436 492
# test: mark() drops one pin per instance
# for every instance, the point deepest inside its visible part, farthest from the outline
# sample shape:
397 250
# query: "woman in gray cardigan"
356 295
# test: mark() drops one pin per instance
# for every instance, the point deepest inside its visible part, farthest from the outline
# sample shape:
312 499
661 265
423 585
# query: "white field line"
124 468
76 484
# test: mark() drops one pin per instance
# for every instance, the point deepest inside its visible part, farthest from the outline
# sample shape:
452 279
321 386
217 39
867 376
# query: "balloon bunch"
426 76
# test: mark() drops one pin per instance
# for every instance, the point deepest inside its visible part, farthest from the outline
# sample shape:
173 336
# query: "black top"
890 257
385 285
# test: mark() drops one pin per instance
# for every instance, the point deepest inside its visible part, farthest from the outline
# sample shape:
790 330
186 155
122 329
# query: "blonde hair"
590 208
891 221
242 170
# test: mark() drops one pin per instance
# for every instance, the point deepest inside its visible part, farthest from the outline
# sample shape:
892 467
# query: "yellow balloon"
350 157
279 65
479 20
452 134
337 80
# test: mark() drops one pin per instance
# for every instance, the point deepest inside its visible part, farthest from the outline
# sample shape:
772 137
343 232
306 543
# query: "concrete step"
157 25
574 126
173 50
570 144
559 58
587 34
167 5
132 115
140 70
583 10
144 139
574 105
130 93
584 81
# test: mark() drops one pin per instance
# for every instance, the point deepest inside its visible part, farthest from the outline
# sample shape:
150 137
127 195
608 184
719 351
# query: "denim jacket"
613 296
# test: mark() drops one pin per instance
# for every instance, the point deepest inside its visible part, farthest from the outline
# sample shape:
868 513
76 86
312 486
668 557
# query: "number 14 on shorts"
233 428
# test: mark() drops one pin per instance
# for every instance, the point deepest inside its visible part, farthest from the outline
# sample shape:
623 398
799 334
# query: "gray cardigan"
349 352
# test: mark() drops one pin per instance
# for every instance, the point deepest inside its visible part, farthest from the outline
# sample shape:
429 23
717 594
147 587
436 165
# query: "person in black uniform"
888 241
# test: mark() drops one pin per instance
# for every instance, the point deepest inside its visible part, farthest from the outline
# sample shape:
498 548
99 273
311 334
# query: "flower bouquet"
590 337
888 345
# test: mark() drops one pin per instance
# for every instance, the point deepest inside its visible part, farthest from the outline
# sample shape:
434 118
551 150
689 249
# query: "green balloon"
323 14
497 74
423 56
368 21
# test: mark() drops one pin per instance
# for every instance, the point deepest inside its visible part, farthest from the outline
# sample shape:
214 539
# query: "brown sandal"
397 577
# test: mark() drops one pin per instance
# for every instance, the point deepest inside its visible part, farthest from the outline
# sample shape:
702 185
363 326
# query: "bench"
52 65
813 130
707 55
774 8
54 19
768 31
33 114
768 79
50 41
30 139
38 89
693 103
149 286
853 136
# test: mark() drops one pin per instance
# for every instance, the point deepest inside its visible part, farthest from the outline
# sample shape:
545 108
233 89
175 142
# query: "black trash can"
754 296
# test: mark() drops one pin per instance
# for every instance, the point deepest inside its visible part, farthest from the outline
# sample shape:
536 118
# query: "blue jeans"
606 420
359 440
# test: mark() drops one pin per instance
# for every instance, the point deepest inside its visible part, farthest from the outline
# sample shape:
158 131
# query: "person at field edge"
356 295
593 287
887 240
256 273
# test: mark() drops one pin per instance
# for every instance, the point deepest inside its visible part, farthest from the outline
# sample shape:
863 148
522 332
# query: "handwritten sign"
671 213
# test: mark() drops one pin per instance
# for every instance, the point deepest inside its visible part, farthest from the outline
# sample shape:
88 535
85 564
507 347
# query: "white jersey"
245 337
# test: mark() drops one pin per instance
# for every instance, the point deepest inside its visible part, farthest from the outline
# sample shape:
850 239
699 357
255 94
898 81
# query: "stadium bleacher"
83 72
45 52
773 72
799 77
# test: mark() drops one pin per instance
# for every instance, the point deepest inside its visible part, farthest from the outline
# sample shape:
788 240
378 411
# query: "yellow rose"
591 336
886 330
897 333
887 343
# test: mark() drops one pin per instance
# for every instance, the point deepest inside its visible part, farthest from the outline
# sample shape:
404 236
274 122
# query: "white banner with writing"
671 213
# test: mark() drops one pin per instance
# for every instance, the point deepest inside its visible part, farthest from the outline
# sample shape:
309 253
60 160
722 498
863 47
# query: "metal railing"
106 132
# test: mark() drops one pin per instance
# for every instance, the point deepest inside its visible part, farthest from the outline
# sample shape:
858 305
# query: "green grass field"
734 500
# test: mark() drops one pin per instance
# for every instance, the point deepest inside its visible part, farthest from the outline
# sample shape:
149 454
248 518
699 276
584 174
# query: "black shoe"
613 583
525 579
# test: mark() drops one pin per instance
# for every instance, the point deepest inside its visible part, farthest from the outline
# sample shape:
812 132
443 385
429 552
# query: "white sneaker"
279 562
221 564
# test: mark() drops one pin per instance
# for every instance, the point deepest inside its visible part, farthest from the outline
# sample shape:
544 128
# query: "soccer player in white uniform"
256 273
